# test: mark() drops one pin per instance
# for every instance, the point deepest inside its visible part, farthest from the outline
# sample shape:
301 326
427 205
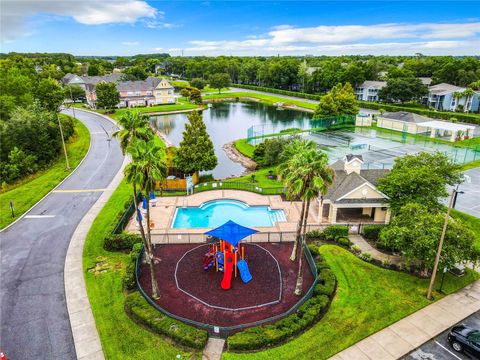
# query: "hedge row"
121 242
306 315
141 311
278 91
372 232
129 278
465 117
336 233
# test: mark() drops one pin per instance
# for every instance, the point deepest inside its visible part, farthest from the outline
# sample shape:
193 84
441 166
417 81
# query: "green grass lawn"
368 299
472 221
260 178
265 98
244 147
121 337
28 192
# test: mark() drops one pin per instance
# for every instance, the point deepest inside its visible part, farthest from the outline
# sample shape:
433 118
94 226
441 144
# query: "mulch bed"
205 285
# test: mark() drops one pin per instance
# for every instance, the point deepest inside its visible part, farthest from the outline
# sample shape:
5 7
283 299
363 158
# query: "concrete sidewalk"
365 247
406 335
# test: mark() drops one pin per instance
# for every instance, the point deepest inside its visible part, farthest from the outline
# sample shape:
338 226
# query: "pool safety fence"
227 330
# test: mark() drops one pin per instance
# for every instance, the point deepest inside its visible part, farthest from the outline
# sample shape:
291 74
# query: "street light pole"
71 98
63 142
440 245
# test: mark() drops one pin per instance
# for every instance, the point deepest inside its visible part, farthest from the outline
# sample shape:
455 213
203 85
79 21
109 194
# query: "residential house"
447 97
148 92
368 91
354 196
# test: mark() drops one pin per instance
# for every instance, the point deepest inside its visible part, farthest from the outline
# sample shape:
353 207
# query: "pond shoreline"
236 156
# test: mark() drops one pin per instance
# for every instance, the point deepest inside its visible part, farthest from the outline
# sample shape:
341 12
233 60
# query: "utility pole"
440 245
63 142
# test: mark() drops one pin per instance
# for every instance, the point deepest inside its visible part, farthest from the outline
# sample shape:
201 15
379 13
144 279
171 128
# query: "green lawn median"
28 192
368 299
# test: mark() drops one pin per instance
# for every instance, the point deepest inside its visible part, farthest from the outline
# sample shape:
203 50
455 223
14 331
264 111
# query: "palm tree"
286 168
135 126
310 177
148 166
468 93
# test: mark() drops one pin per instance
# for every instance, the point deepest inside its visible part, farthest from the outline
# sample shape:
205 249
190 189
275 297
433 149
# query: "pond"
227 122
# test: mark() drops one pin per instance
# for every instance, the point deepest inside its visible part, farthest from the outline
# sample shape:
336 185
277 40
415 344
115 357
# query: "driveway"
469 201
439 349
34 318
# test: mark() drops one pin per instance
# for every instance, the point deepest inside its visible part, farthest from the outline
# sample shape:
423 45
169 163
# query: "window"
129 93
159 93
138 93
170 92
149 93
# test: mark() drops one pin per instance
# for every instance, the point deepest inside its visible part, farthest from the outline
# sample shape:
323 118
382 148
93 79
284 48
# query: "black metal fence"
226 330
129 211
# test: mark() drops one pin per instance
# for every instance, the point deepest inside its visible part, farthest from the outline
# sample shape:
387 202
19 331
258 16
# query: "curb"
85 335
60 183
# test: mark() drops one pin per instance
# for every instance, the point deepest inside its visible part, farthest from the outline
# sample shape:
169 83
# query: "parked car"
465 339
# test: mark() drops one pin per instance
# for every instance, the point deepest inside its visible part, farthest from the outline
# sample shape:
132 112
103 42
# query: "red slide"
227 273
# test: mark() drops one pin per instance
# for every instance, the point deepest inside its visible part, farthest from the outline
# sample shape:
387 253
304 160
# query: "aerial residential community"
239 180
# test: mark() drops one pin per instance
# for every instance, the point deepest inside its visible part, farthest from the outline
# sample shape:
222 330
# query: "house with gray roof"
368 90
354 196
148 92
447 97
403 121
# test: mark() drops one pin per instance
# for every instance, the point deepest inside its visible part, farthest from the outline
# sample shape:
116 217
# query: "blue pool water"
217 212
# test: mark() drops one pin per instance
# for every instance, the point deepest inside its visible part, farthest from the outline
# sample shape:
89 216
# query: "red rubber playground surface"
189 291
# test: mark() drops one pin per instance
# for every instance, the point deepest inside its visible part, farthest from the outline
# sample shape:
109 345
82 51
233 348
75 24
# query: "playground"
226 283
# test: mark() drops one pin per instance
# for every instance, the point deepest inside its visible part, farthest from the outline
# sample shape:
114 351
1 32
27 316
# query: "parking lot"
439 348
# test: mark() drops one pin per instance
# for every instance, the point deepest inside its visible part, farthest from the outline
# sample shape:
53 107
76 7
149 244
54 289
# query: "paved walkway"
214 349
366 247
406 335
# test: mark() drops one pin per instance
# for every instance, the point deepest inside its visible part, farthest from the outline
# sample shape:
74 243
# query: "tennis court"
379 149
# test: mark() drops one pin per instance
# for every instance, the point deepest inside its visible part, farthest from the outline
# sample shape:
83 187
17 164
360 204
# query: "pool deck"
161 216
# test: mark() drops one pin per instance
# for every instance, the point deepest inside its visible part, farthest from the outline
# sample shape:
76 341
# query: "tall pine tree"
196 151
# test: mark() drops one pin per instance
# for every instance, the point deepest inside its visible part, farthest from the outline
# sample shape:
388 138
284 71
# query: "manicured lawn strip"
368 299
244 147
470 165
121 337
472 221
28 192
261 179
266 98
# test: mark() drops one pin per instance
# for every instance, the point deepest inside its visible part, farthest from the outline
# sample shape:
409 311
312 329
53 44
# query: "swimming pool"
217 212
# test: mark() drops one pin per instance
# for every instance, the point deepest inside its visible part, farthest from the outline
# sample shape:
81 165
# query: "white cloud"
15 14
454 38
130 43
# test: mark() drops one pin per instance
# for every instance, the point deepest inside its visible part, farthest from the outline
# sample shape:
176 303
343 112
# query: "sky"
129 27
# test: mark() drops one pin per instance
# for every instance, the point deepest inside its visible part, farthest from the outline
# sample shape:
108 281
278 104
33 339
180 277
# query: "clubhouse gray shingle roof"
373 84
444 88
345 183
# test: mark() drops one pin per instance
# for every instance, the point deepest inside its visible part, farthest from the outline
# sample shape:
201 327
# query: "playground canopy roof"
231 232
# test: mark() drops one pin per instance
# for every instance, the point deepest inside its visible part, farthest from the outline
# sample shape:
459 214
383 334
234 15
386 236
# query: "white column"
432 133
452 137
320 211
333 214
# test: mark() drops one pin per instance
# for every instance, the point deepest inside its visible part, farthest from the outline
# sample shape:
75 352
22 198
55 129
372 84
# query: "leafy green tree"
50 94
93 70
415 232
74 92
219 81
198 83
134 126
421 178
196 151
475 85
107 95
339 101
134 73
402 90
194 95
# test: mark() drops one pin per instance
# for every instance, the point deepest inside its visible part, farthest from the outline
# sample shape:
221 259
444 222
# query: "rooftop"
373 84
445 125
444 88
405 116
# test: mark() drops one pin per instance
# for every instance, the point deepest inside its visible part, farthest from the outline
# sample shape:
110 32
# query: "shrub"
129 278
356 249
270 335
372 232
141 311
313 249
120 242
334 232
366 256
344 241
386 263
314 235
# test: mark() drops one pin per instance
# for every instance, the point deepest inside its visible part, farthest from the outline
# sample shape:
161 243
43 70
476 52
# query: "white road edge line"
444 348
39 216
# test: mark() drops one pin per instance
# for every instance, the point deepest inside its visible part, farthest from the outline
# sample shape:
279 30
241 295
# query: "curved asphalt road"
34 318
